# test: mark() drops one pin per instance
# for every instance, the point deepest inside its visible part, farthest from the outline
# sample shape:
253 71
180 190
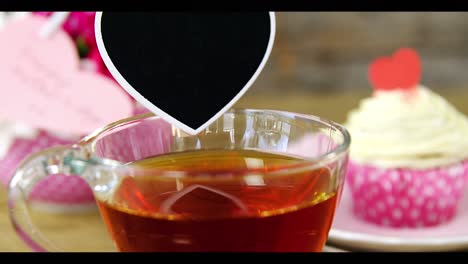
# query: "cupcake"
408 157
55 193
58 193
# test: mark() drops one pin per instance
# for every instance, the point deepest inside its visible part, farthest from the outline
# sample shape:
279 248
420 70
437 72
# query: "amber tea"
227 200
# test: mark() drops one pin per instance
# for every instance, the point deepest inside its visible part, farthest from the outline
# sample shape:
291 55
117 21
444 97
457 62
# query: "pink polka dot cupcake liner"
61 191
406 197
55 192
69 193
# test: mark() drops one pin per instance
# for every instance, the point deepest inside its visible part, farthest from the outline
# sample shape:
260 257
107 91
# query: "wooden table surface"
85 231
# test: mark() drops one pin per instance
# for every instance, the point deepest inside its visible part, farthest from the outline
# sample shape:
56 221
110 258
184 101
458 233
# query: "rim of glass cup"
306 163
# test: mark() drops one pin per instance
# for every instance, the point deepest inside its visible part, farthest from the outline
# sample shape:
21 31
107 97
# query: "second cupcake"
409 152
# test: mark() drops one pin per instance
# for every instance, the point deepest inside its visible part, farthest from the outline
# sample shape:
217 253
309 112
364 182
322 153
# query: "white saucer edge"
379 243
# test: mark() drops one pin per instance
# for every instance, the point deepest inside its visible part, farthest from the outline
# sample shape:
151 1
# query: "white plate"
349 232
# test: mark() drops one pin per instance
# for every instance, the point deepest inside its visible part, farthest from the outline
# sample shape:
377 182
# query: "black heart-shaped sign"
188 68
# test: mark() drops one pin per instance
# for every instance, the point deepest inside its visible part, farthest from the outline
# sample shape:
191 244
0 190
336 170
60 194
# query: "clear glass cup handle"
67 160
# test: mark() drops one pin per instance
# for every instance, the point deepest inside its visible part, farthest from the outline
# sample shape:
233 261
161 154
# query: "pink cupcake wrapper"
62 189
406 197
124 145
57 189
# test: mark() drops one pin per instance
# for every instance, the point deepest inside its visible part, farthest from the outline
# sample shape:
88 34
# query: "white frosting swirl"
9 131
394 129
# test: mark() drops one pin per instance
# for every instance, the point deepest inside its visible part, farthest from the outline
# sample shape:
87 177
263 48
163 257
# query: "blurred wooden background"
329 51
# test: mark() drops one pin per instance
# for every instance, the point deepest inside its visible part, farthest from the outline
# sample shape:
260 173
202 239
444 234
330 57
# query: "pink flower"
46 14
77 22
88 36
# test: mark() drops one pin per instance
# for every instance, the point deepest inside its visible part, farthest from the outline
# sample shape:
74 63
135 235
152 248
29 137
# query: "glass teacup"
254 180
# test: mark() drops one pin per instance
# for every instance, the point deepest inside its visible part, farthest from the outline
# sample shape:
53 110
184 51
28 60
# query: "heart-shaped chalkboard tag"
188 68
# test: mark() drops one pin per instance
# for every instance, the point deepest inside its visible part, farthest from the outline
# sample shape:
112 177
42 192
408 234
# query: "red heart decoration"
400 71
380 74
407 68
